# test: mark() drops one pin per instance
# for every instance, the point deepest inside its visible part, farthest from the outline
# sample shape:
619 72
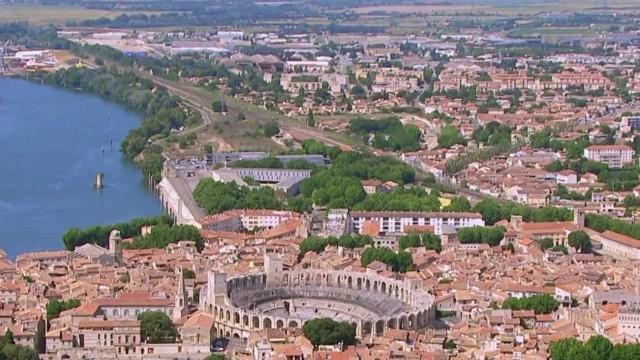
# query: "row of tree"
216 197
400 199
388 133
318 244
493 211
597 347
540 304
602 223
481 235
55 307
400 261
163 235
99 234
428 240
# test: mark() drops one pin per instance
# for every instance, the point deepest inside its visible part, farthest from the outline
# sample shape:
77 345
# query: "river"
52 144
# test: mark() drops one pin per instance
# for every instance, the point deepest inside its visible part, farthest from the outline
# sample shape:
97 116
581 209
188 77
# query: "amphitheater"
277 298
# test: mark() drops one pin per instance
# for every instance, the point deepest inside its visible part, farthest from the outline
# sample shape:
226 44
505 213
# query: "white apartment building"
393 222
615 156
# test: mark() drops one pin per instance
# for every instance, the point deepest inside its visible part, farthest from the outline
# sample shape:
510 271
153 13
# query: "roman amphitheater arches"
241 312
266 323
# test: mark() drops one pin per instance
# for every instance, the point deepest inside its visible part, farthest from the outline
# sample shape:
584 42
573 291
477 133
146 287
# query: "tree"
449 345
481 234
432 242
626 352
580 241
163 235
215 357
601 346
540 304
55 307
10 351
7 339
311 121
539 140
219 106
271 129
216 197
449 136
188 274
18 352
546 244
157 328
325 331
459 204
400 261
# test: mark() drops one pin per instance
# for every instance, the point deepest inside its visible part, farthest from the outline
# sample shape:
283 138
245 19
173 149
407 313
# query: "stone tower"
272 268
216 290
181 305
115 245
578 217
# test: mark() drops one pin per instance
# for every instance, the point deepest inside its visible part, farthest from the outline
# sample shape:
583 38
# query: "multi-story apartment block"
615 156
394 222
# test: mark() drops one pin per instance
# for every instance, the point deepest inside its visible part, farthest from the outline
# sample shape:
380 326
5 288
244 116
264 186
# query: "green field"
52 14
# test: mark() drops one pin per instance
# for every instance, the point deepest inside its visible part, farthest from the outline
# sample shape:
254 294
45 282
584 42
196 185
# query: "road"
303 133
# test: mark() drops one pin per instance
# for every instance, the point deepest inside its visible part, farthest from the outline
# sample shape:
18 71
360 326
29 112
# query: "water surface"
52 144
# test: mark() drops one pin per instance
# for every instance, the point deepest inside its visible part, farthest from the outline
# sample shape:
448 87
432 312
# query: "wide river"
52 144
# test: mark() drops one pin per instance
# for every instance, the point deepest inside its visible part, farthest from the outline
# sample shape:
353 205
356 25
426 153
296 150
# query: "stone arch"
359 283
266 323
367 328
236 335
392 323
375 285
256 322
403 323
293 324
236 318
245 320
379 328
412 321
383 287
279 324
221 314
350 282
318 279
227 334
228 317
367 284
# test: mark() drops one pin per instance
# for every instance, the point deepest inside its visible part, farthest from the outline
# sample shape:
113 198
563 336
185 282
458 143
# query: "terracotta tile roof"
621 239
107 324
199 320
135 299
